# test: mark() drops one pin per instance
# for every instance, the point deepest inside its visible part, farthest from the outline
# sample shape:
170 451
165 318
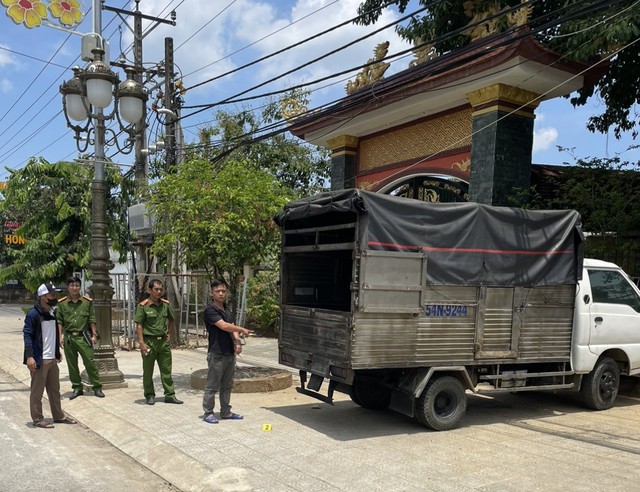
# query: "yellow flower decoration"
68 12
29 13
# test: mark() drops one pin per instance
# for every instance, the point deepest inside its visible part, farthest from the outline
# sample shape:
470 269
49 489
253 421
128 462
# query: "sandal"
43 425
211 419
66 420
232 416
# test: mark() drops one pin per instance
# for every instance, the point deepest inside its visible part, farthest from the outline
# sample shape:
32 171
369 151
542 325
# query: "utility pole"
140 164
169 89
172 286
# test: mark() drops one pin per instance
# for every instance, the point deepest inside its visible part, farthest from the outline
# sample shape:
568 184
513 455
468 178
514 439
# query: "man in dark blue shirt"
224 345
42 355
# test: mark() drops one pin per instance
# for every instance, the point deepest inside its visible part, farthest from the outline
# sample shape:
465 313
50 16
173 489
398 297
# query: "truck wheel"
600 387
373 396
442 404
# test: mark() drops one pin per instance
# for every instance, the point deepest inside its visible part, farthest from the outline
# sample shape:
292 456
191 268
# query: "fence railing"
192 296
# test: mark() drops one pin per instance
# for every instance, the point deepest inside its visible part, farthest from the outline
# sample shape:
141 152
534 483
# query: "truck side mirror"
586 299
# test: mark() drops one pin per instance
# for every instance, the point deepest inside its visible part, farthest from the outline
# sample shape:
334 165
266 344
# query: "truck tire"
600 387
369 395
442 404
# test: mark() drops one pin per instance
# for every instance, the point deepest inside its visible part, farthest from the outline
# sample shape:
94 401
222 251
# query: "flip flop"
66 420
232 416
43 425
211 419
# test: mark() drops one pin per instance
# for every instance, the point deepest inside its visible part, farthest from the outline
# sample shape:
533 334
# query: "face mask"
52 302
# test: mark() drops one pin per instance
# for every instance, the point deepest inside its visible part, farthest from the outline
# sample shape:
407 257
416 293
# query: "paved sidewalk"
506 443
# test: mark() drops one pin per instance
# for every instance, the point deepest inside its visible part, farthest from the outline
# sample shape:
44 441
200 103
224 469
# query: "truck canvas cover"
465 243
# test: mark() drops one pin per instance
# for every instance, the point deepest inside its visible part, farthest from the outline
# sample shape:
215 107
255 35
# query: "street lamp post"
85 97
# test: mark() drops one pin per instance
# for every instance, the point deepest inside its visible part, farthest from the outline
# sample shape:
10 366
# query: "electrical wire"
204 25
304 41
280 92
18 146
433 41
441 59
333 129
261 39
506 115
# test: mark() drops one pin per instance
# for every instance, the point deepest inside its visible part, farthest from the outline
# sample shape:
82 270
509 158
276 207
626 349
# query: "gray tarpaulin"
465 243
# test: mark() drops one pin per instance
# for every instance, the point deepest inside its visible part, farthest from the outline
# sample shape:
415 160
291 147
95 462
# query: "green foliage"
263 303
580 30
237 136
53 204
217 219
214 211
606 193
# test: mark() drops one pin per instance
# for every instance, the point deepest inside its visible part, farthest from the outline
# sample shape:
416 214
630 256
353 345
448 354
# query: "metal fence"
192 296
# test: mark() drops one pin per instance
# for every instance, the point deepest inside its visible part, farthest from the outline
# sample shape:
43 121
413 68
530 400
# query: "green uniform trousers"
78 345
161 352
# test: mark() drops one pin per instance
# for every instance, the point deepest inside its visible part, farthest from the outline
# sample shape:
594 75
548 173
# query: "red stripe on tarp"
473 250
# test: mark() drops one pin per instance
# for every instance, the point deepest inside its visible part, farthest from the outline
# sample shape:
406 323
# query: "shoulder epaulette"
62 299
164 300
87 298
145 302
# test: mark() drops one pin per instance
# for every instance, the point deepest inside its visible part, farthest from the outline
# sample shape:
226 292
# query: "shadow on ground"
345 421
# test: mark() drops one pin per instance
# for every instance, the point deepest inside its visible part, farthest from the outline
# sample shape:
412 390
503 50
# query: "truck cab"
606 335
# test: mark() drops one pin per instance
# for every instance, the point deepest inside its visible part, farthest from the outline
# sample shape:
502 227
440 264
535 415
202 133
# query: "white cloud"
5 57
248 21
543 138
5 86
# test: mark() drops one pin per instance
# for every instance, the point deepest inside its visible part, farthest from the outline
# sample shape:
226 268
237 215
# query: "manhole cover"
250 379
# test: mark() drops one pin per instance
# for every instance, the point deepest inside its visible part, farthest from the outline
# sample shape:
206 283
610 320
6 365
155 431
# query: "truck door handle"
598 319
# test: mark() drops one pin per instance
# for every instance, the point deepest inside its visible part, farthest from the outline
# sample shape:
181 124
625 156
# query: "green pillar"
344 159
502 142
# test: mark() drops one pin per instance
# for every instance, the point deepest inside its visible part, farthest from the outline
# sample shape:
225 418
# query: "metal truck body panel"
377 303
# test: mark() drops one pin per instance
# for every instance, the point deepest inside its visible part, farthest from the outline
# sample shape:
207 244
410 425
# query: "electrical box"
139 219
92 41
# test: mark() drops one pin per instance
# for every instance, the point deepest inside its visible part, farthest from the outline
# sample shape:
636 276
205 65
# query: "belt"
149 337
76 333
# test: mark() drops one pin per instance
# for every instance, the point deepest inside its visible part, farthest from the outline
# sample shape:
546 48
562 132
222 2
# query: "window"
611 287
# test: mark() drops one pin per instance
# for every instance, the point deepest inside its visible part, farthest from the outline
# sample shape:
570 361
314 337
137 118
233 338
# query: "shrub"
263 303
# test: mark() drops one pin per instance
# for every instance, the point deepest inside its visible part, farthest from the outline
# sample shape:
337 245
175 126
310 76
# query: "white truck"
407 305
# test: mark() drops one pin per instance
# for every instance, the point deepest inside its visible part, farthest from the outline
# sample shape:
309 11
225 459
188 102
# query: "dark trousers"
161 352
47 376
222 368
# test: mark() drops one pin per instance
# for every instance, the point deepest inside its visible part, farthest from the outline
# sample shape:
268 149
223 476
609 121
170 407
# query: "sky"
212 38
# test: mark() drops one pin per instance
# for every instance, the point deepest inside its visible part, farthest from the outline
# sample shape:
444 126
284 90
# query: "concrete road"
507 442
68 457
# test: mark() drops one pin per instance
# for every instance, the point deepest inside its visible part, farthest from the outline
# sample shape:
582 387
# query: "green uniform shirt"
75 316
153 317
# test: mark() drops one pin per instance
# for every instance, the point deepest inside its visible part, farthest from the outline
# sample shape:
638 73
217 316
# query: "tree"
53 204
585 30
296 165
606 192
217 219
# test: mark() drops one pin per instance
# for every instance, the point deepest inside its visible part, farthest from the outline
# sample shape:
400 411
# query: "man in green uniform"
154 323
77 322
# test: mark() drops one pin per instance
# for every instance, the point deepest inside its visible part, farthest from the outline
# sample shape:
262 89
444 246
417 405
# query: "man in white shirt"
42 355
